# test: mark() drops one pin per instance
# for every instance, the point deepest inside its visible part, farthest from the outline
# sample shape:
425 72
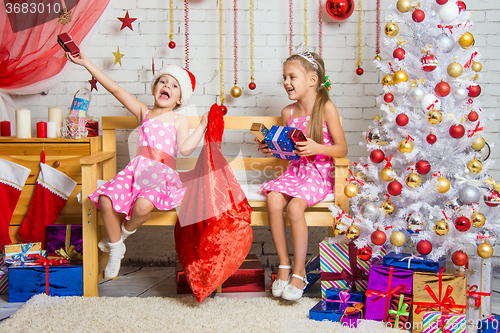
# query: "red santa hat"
185 78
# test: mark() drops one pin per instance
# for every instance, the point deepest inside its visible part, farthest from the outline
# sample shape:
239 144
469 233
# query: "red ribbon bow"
472 292
432 105
354 179
471 60
47 263
475 130
388 159
449 27
442 320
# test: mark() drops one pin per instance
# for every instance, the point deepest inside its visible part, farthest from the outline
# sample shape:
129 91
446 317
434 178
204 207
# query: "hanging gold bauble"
413 180
351 190
434 117
397 238
400 76
441 227
475 165
477 220
388 207
235 91
386 174
476 66
455 69
404 5
359 174
391 29
478 143
466 41
443 185
406 146
336 230
352 232
388 80
485 250
378 57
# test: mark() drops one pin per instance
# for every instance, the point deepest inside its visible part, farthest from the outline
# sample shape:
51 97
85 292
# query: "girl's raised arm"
186 143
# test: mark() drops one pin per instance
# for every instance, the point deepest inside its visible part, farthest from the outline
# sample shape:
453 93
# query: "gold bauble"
485 250
388 207
388 80
434 117
359 174
378 57
477 220
397 238
351 190
413 180
466 41
476 66
352 232
336 230
455 69
235 91
478 143
386 174
443 185
391 29
475 165
400 76
406 146
441 227
404 5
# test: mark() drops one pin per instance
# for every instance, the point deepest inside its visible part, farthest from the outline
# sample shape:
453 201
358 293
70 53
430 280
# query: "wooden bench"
102 165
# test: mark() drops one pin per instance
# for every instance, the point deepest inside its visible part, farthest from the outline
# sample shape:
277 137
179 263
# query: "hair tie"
327 84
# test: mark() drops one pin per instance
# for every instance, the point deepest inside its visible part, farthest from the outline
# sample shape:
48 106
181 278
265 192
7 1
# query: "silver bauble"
444 42
414 223
389 121
417 93
485 152
369 210
454 204
449 11
461 94
375 135
469 195
429 102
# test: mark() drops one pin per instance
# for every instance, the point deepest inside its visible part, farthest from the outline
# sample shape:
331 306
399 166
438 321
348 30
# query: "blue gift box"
334 300
413 262
312 270
26 281
490 325
281 146
321 312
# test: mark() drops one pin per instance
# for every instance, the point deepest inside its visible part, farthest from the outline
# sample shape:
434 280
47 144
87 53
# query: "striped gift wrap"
454 322
4 281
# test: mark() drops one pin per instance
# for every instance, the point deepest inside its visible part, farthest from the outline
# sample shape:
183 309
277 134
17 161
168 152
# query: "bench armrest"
97 157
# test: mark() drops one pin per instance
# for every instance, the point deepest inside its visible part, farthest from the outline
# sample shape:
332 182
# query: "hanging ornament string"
305 22
290 10
252 84
320 28
377 32
359 70
235 90
186 34
221 53
171 44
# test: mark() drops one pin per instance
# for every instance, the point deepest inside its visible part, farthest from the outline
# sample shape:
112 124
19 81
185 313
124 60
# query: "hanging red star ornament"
93 84
126 21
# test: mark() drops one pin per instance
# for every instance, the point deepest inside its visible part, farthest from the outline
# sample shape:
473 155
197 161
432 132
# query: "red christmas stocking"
51 193
12 179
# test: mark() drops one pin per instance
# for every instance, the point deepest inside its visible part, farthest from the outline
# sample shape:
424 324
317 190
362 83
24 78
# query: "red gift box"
68 44
92 128
399 313
296 135
250 277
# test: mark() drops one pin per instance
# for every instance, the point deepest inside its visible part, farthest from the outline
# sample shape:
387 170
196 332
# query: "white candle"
52 129
56 115
23 124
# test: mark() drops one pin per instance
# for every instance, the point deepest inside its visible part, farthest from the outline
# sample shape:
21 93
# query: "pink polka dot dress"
150 175
310 181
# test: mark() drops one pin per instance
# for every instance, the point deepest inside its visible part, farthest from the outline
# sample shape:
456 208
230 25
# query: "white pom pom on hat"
185 78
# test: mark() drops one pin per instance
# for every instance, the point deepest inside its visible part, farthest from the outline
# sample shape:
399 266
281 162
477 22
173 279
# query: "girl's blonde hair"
315 131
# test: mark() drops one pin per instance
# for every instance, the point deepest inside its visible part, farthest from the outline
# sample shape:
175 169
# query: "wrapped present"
438 322
53 277
399 312
20 253
489 325
383 283
321 312
340 266
352 315
250 277
414 262
344 297
260 131
478 289
312 271
65 241
281 146
4 281
296 135
92 128
444 292
68 45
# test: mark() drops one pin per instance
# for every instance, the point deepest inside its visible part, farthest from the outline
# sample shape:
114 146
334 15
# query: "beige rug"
155 314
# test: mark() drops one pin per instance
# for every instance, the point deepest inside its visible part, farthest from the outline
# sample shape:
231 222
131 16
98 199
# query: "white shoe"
279 285
116 253
292 293
103 244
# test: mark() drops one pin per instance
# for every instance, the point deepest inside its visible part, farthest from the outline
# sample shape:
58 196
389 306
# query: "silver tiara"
301 50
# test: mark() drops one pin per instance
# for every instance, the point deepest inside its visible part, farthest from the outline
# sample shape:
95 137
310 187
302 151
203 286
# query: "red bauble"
339 10
365 253
474 91
402 119
462 224
423 167
223 108
461 6
388 98
442 89
394 188
459 258
171 44
378 237
457 131
359 71
492 199
424 247
431 139
429 62
441 2
399 53
473 116
377 156
252 86
418 15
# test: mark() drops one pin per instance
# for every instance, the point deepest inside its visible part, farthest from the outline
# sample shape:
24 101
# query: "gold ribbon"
69 251
492 182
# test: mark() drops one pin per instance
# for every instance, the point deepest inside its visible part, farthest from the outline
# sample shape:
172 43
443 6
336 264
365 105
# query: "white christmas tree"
425 183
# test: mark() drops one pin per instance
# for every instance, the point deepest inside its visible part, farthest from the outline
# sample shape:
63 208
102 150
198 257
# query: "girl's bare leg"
110 218
298 226
275 203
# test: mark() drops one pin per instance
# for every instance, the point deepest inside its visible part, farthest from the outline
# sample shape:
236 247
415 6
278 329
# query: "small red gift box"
250 277
68 44
296 135
92 128
399 313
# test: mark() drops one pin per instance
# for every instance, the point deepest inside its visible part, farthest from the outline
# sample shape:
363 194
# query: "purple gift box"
65 240
383 282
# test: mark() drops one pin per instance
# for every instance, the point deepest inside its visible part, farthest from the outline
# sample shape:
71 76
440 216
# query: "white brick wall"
353 95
